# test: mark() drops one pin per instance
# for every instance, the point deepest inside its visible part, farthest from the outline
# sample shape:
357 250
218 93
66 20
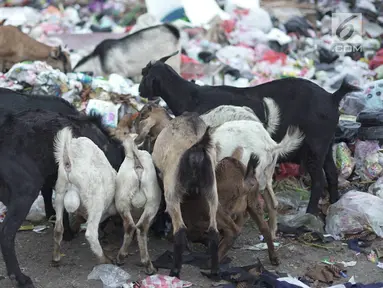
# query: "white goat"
226 113
85 184
137 187
253 138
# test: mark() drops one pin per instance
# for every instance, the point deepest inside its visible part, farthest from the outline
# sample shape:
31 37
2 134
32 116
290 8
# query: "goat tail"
71 201
344 89
273 115
291 142
62 151
252 164
196 168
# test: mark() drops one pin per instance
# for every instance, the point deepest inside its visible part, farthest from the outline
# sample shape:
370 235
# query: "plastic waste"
362 150
301 219
288 200
346 131
298 25
355 212
107 109
37 212
377 188
372 167
160 281
110 275
369 118
344 161
3 211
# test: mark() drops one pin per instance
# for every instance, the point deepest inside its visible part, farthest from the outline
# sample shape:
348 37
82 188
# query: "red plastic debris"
228 25
377 60
287 170
272 57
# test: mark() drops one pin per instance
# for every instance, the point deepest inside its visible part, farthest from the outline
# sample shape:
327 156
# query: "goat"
16 46
253 138
248 134
301 103
127 56
185 158
85 184
238 194
153 118
13 101
137 188
226 113
26 152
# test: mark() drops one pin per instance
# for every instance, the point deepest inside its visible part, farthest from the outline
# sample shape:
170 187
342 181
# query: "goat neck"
176 91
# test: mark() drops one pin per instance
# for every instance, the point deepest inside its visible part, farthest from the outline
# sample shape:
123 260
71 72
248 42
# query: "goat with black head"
301 103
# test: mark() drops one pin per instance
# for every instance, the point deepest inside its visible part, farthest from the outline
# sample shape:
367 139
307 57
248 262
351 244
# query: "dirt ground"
34 253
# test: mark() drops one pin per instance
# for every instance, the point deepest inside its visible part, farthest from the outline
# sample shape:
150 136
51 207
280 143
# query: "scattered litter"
37 212
26 227
348 264
159 281
110 275
372 257
259 246
40 228
354 213
380 265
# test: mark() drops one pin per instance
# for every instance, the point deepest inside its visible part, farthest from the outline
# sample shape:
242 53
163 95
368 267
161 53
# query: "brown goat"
238 197
16 46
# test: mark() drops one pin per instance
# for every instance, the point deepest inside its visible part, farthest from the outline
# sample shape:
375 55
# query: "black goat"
301 103
27 161
12 101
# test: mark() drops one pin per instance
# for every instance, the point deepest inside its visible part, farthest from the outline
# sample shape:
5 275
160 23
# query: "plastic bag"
110 275
288 200
362 150
37 212
377 188
344 161
309 221
355 212
371 118
346 131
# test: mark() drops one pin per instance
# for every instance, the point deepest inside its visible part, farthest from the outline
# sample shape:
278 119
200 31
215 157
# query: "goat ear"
164 59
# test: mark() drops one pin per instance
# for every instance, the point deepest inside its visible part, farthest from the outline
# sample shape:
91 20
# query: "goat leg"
331 176
91 234
230 232
17 211
179 232
270 191
213 234
142 238
59 227
256 213
129 228
272 214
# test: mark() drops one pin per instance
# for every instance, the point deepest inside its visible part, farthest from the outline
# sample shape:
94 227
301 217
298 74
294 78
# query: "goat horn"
164 59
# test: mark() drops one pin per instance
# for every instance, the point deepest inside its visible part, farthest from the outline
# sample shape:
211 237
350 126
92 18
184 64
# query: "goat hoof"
275 260
150 270
120 261
174 274
23 281
55 263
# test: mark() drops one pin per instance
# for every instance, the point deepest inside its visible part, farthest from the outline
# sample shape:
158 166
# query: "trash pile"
238 43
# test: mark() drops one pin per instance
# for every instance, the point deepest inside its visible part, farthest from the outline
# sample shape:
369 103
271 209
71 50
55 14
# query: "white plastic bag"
110 275
354 213
37 212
